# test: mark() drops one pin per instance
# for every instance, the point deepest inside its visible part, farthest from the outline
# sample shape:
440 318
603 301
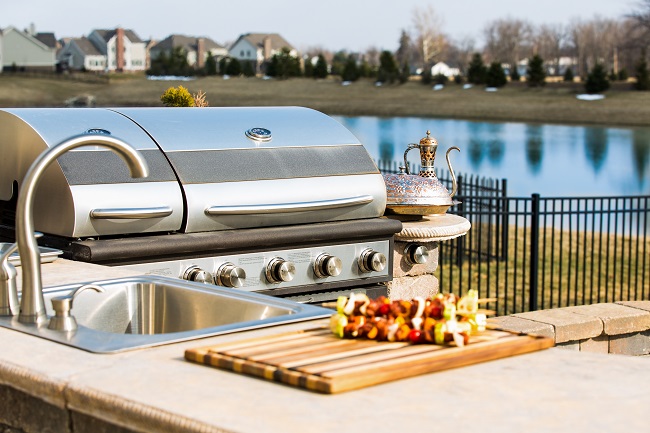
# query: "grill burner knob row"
371 260
195 273
327 265
416 254
280 270
229 275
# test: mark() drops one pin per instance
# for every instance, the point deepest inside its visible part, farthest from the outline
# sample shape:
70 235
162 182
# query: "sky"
353 25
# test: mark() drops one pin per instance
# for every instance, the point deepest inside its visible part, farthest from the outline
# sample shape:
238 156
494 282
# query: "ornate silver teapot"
421 194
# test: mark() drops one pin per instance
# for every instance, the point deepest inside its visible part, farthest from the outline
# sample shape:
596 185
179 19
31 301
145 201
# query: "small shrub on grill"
181 97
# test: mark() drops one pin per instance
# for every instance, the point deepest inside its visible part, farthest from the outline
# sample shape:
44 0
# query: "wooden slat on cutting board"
318 361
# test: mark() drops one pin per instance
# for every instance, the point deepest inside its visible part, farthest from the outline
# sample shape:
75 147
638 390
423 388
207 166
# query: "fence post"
534 253
460 242
504 219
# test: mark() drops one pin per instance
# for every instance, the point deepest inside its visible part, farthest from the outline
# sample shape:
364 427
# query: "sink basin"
146 311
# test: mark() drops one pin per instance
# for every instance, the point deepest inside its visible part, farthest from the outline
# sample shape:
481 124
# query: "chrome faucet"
32 303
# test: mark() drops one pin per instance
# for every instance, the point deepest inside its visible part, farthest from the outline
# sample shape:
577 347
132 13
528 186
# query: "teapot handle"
451 171
408 148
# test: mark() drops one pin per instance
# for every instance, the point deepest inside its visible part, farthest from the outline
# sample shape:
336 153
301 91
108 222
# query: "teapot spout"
451 171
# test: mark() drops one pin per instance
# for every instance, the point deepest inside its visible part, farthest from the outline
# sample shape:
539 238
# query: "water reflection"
534 147
641 152
496 146
596 147
485 140
386 148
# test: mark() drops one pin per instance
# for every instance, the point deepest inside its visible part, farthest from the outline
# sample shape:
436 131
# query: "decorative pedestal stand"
413 270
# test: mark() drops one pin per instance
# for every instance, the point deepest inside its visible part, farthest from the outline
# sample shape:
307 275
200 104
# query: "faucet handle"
5 266
9 305
62 305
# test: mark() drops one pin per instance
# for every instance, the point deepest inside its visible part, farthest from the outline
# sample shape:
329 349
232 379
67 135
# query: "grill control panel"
339 264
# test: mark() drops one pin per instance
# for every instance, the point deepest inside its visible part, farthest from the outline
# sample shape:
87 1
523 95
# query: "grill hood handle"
288 207
132 213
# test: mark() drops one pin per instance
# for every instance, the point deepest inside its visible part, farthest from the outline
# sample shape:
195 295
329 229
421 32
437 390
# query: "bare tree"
429 38
548 41
507 41
372 56
460 53
639 35
641 15
596 42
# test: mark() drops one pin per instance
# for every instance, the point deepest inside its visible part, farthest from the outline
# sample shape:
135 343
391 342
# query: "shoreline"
556 103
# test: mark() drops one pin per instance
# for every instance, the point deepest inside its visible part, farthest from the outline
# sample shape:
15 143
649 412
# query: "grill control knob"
416 254
279 270
327 265
194 273
229 275
371 260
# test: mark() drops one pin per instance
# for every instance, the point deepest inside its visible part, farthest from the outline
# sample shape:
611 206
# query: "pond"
552 160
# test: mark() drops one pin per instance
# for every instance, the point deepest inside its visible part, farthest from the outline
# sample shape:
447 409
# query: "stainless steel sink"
147 311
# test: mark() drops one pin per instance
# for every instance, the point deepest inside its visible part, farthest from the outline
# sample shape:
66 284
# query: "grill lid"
211 169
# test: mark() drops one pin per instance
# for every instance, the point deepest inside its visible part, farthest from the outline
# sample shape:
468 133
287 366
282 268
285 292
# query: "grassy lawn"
555 103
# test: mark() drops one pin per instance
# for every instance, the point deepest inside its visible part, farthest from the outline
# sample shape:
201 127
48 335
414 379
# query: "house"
81 54
197 49
123 49
259 48
27 50
441 68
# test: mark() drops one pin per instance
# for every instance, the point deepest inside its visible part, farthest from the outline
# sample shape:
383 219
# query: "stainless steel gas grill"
284 201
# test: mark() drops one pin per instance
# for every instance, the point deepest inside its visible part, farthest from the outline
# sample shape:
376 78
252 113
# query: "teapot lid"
428 140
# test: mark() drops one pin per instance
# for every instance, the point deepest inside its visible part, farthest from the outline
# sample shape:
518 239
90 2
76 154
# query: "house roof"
47 38
86 46
108 34
257 39
189 43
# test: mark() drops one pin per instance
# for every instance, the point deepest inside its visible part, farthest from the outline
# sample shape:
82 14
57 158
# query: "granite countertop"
155 389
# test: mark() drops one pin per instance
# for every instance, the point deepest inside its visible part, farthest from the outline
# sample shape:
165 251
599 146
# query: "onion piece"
349 307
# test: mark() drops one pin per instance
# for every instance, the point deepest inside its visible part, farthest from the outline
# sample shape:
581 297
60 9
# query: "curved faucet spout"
32 304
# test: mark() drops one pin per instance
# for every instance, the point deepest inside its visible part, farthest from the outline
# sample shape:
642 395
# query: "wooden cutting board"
316 360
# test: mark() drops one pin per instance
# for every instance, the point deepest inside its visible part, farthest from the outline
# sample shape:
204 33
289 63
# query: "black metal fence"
536 253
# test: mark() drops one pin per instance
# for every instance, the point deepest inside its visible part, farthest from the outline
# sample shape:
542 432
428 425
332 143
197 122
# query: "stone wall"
619 328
